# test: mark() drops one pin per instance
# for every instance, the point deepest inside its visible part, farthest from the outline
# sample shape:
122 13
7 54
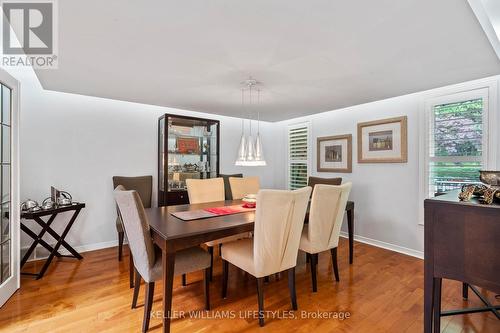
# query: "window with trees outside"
457 137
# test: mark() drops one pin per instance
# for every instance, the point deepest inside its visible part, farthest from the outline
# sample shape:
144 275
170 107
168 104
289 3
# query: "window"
298 153
457 141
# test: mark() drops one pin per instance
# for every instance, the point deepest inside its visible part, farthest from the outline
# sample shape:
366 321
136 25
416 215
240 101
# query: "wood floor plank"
382 292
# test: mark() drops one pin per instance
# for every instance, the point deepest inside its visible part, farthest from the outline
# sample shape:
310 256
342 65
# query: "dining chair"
313 181
147 257
322 233
240 187
209 190
273 249
144 187
227 187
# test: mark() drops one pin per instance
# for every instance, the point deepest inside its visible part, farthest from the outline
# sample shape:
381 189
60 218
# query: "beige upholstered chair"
325 219
313 181
144 187
243 186
147 258
209 190
279 219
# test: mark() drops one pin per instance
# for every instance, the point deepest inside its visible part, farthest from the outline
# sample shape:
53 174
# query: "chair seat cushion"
228 239
186 261
240 254
305 243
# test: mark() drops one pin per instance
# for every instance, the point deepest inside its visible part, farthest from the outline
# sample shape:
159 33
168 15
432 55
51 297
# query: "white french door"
9 186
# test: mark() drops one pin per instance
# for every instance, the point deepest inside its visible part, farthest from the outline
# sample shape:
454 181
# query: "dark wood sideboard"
462 242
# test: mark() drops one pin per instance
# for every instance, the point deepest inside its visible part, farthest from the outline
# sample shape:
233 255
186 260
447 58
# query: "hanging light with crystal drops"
259 151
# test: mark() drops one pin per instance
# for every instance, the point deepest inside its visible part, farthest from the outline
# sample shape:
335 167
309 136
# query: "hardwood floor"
382 291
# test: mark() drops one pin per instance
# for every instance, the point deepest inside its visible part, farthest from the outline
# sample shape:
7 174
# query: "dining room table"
172 234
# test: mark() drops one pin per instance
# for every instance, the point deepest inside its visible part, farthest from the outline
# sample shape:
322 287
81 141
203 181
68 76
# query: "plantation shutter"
457 145
298 137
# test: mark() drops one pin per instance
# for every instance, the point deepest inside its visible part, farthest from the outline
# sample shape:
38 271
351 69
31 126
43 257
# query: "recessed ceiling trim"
484 17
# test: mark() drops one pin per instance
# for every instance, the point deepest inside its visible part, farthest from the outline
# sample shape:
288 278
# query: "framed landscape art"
383 141
334 153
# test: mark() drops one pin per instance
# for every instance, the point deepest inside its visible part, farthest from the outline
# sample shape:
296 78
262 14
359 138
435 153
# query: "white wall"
77 143
386 196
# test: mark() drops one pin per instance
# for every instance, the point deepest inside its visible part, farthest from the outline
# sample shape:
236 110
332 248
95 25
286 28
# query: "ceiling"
311 56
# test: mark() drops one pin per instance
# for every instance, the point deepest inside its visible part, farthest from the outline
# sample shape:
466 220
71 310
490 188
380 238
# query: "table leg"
54 234
350 230
438 282
38 238
168 262
428 300
58 244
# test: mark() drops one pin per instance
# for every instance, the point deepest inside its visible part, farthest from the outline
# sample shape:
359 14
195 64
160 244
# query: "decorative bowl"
491 178
249 201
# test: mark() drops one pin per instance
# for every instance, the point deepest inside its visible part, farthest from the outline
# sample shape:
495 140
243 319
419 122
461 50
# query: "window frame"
289 161
485 89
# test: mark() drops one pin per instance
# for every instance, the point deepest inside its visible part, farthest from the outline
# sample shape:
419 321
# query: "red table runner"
211 212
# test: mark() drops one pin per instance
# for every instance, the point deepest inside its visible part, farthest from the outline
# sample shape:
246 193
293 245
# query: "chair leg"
148 304
465 291
260 296
225 273
184 283
314 262
211 251
335 264
121 236
291 287
206 286
131 270
137 286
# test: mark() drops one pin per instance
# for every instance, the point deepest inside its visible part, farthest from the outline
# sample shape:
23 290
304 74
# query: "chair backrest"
279 219
227 186
205 190
313 181
142 184
136 227
326 215
243 186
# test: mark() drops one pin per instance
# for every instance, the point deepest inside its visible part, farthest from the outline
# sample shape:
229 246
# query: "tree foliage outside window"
456 145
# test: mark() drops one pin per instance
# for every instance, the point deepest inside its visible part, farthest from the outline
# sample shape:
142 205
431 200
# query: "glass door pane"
5 181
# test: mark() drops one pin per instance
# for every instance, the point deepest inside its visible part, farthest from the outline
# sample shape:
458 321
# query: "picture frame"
383 141
334 153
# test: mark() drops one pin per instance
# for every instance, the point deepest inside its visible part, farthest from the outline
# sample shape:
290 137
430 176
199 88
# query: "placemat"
211 212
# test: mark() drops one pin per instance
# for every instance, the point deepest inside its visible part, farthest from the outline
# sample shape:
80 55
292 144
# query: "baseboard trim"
41 253
384 245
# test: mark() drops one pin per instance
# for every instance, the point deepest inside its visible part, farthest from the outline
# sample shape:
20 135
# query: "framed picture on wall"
383 141
334 153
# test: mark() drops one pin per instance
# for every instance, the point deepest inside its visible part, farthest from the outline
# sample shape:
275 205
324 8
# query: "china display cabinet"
188 147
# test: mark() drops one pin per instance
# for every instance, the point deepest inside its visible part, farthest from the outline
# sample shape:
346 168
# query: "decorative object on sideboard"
485 194
250 152
383 141
64 199
48 203
30 206
491 178
334 153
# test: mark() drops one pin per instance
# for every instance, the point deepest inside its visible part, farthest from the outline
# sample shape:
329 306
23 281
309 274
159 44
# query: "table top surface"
451 197
170 227
55 210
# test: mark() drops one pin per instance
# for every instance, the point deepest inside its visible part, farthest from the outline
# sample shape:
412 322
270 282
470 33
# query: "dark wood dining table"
172 234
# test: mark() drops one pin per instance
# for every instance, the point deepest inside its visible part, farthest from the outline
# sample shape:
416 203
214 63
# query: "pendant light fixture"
250 152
